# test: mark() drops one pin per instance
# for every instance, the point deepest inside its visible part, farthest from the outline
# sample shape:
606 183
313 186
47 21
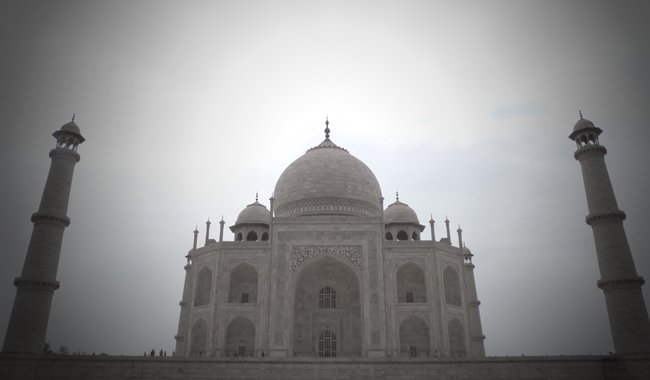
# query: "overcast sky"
189 108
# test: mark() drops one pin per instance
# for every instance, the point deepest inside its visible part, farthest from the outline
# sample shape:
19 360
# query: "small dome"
254 213
399 212
71 127
584 125
327 180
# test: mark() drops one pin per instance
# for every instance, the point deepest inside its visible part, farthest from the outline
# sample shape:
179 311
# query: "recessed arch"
239 236
411 286
240 337
343 321
265 236
452 287
414 340
203 287
456 338
198 338
415 236
389 236
402 235
243 284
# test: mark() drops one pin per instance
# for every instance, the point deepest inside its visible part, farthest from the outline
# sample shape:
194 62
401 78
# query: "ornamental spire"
327 127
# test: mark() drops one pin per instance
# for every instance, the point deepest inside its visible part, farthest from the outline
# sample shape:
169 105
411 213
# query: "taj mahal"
331 281
329 271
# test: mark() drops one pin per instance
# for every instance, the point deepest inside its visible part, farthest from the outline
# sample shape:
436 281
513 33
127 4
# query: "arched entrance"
327 311
414 338
240 337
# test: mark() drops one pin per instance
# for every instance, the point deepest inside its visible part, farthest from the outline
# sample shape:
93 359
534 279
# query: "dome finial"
580 112
73 116
256 196
396 196
327 127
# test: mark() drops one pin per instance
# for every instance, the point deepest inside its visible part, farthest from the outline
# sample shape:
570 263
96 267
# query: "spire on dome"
73 116
256 197
396 196
327 127
580 112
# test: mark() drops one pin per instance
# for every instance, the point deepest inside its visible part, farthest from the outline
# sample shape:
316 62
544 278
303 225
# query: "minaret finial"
327 127
396 196
580 112
256 196
73 116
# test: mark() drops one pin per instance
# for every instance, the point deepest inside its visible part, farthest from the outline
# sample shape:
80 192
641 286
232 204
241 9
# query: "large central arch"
327 303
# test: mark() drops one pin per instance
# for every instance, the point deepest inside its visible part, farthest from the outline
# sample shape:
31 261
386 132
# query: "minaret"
433 231
628 317
37 282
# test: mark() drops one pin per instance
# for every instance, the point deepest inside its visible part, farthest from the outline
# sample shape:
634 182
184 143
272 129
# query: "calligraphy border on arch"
304 254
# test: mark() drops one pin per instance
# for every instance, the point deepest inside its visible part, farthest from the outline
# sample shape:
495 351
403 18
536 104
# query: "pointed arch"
243 284
265 236
414 340
251 236
411 286
203 288
389 236
456 338
240 337
452 287
239 236
402 235
310 320
199 338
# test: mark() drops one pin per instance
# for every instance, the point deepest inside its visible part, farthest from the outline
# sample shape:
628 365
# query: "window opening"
327 344
409 297
327 298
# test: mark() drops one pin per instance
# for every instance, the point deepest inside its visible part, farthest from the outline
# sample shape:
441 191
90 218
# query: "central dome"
327 180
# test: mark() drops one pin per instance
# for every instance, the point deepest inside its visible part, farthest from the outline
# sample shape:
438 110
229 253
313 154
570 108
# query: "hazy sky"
191 107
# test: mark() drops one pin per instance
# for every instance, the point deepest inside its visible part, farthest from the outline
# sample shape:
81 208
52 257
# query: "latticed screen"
327 344
244 298
327 298
409 297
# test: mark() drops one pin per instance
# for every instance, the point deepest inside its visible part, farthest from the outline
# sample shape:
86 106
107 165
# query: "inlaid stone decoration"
350 254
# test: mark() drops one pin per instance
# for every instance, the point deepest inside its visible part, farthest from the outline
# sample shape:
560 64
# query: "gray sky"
191 107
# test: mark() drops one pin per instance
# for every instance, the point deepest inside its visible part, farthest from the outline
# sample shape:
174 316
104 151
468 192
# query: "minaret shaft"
628 316
37 283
